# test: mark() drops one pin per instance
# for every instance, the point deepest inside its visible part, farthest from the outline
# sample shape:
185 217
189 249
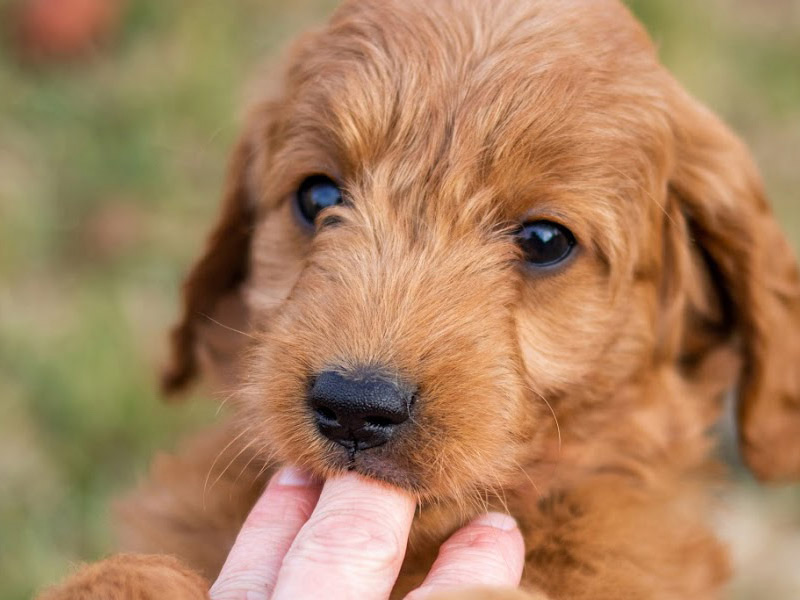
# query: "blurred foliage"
109 170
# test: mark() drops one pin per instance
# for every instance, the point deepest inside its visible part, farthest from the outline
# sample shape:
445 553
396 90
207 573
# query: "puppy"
534 260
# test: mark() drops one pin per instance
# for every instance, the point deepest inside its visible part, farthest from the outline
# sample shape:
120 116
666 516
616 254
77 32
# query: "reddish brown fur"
132 577
579 400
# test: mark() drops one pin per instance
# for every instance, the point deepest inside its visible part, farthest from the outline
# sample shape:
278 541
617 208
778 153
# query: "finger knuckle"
236 586
475 539
360 537
482 548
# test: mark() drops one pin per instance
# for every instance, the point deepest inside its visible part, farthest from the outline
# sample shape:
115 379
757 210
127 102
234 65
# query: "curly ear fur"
212 287
747 256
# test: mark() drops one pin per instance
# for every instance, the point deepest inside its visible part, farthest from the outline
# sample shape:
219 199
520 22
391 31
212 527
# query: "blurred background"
116 117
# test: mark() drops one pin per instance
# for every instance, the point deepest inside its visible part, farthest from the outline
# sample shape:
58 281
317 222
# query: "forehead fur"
532 108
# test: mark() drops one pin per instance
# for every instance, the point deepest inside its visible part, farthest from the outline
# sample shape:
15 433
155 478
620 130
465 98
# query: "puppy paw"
131 577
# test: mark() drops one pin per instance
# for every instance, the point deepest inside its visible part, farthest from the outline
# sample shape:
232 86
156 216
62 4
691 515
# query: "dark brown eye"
545 243
315 194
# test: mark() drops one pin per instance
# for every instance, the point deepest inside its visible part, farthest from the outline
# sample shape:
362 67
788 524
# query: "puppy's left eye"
315 194
545 243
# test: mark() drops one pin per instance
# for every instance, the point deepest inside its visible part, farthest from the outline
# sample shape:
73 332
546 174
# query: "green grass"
109 171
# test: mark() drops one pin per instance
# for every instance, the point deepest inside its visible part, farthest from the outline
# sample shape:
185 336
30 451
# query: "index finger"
251 568
352 546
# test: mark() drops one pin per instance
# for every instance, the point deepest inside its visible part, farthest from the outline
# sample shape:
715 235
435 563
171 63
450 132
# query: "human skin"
348 538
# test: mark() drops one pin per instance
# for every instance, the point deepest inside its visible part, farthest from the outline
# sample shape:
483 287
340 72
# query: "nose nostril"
325 414
380 421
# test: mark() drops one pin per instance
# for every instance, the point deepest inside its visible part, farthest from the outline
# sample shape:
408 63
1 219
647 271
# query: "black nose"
361 410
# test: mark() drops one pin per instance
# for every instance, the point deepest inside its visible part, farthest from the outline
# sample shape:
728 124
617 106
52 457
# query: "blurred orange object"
58 29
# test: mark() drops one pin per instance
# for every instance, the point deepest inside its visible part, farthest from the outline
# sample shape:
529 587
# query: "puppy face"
461 220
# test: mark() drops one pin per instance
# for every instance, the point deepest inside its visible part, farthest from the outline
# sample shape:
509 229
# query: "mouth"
379 467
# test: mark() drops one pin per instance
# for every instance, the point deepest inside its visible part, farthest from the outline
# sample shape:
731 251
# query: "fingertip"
360 490
496 520
293 477
289 487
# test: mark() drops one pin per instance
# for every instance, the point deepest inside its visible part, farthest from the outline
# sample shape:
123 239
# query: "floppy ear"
212 305
722 198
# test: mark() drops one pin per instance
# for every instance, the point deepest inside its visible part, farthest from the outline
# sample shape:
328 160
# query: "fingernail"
292 477
499 521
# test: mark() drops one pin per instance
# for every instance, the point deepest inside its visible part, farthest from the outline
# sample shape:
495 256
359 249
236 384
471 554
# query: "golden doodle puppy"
493 254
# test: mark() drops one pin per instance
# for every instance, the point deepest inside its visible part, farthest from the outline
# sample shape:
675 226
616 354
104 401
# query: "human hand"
347 539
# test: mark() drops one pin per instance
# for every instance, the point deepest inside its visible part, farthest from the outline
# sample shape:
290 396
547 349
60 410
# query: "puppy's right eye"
315 194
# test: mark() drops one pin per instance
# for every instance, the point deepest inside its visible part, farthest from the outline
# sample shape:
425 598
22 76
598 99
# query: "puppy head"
456 219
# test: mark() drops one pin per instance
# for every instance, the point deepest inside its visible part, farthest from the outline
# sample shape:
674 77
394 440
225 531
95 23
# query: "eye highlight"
545 243
315 194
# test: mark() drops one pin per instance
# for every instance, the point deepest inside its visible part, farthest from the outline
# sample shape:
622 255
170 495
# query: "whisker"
552 412
225 400
231 461
646 192
528 477
268 462
500 493
228 327
216 458
255 455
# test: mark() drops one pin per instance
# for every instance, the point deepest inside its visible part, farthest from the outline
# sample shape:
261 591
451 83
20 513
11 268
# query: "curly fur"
579 399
